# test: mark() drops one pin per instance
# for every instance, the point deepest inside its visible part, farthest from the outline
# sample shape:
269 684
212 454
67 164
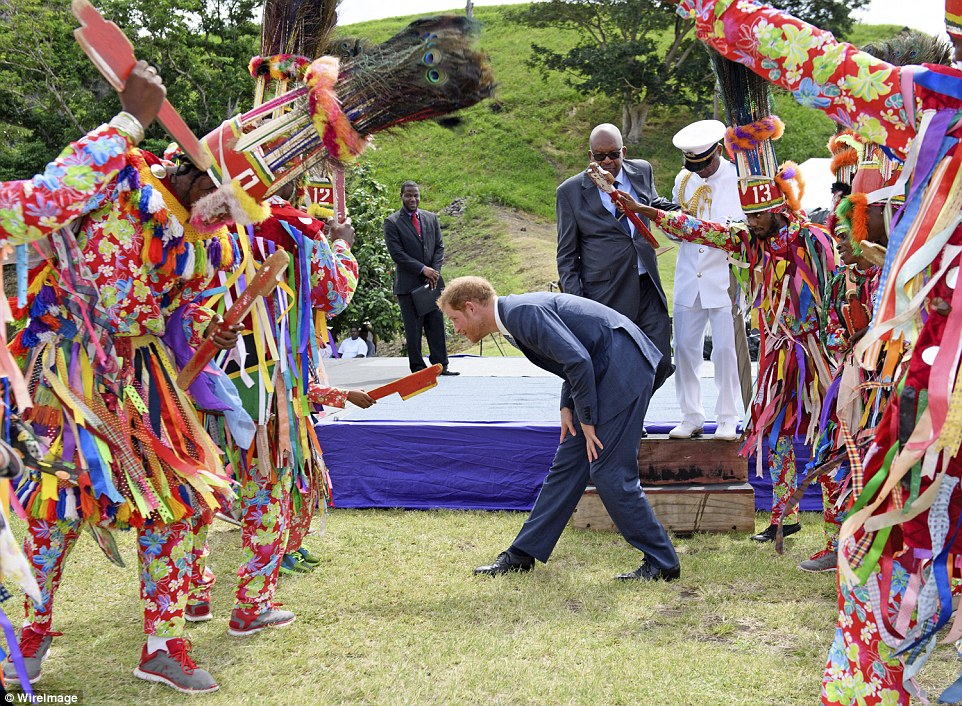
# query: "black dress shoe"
650 572
768 535
449 372
507 561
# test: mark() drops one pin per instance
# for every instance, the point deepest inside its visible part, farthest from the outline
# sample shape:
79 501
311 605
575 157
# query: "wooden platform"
722 507
702 461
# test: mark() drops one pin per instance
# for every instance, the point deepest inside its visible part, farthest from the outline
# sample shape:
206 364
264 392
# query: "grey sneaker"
173 667
34 647
823 561
243 623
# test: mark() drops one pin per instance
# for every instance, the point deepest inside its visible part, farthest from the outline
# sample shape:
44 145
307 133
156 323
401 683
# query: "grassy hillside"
509 154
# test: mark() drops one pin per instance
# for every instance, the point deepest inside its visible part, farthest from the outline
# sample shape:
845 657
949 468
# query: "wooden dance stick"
113 55
604 182
262 284
409 385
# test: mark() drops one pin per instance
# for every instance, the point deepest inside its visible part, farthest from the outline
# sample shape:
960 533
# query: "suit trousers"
689 325
431 325
615 475
654 321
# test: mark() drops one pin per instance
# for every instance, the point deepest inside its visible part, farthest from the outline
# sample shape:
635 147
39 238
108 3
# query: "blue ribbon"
15 655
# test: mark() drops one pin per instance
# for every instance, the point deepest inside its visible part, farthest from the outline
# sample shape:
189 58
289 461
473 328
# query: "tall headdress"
762 183
846 150
292 33
877 174
429 69
953 18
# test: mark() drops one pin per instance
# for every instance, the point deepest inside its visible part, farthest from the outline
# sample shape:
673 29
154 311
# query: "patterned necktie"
416 223
620 216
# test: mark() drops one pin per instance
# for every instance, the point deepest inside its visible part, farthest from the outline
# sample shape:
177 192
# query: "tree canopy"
50 93
642 53
637 51
834 16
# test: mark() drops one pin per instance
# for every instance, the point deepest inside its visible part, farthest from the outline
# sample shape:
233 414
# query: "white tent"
818 183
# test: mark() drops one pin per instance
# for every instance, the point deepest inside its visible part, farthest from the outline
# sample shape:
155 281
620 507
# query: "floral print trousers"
832 516
165 553
782 471
301 521
861 668
265 515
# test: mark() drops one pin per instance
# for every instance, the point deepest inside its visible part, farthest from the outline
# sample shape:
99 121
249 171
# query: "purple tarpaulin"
464 465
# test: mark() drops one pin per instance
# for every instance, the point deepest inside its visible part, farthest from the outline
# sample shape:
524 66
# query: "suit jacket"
596 258
409 252
578 340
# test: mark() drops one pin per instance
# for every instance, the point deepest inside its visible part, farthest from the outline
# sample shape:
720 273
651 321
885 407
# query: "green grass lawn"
394 616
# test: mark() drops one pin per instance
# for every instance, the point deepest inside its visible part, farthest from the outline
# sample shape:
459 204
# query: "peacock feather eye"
435 76
432 57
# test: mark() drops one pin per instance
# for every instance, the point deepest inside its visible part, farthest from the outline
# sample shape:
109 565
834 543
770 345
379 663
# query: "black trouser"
654 321
432 325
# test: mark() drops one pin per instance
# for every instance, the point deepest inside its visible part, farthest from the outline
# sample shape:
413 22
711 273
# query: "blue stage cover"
464 465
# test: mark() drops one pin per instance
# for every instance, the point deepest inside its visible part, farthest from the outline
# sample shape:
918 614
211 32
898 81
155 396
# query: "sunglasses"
602 156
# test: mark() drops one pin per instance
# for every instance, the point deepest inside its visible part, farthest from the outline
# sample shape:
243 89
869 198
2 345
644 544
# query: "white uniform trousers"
689 329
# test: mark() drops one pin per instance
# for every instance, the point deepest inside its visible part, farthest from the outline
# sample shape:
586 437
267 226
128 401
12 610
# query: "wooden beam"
704 461
688 508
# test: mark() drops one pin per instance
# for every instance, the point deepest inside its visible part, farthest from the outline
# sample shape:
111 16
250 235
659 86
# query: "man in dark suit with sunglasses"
599 254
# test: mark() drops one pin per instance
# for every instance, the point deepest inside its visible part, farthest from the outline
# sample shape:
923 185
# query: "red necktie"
415 222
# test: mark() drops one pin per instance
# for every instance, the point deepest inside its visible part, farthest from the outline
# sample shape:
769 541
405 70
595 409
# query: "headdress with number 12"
429 69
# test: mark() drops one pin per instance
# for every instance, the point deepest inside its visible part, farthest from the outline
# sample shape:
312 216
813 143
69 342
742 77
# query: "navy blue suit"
608 367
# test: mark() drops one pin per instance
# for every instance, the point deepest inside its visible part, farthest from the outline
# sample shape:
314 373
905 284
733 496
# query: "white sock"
155 643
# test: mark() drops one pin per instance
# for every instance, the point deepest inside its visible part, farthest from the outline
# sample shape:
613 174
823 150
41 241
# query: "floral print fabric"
165 568
853 88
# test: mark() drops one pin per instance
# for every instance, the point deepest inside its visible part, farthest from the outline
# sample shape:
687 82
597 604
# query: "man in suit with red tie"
413 238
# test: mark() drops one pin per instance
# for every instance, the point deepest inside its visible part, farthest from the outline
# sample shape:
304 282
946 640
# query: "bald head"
606 147
605 131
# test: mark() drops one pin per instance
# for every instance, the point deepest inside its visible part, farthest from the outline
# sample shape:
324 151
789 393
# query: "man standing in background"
413 239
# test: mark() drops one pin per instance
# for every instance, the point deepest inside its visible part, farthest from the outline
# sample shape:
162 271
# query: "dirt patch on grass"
535 242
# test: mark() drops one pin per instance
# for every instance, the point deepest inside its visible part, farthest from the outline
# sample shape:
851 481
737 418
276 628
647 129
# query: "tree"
374 301
834 16
637 51
50 93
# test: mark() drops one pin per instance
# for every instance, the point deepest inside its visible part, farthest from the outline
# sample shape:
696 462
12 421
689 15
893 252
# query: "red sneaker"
243 623
173 667
34 646
198 613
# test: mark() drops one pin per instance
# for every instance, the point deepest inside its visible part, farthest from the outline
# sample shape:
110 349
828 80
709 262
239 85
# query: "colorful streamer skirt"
133 446
286 448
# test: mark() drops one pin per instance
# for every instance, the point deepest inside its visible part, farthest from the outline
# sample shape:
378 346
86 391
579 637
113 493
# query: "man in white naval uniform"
706 188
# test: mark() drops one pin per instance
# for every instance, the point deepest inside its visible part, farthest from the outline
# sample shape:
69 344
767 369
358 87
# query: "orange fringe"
858 217
793 188
845 158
